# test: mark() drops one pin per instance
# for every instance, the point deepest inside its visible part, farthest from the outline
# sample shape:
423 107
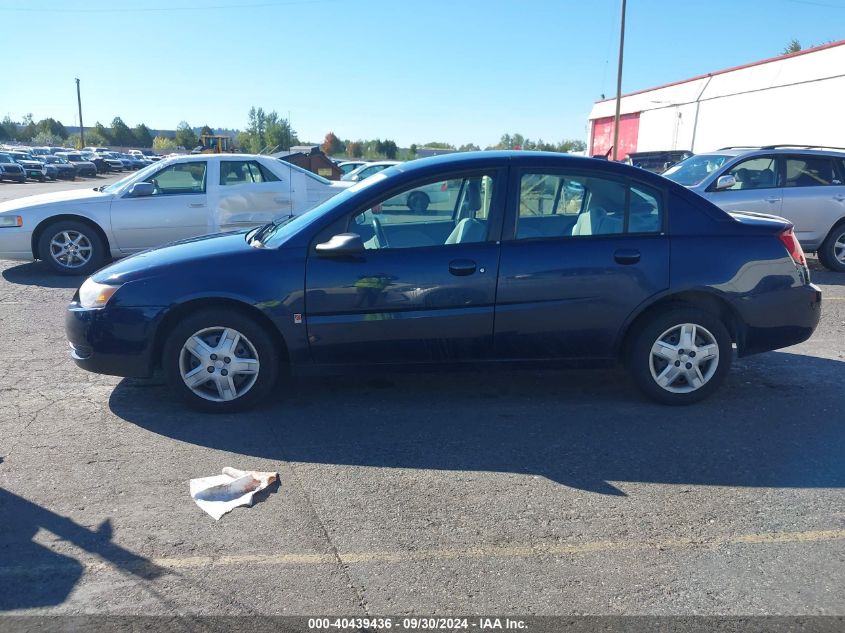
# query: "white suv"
804 185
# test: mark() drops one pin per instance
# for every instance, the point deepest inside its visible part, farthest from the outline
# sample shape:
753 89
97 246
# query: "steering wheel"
381 238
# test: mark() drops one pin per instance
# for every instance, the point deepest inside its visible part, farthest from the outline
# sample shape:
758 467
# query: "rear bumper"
779 319
118 342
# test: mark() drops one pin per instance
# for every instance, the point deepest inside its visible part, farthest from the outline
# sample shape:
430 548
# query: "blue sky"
411 70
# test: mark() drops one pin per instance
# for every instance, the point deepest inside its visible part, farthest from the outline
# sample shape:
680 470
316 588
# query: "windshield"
74 157
138 176
288 227
5 159
696 168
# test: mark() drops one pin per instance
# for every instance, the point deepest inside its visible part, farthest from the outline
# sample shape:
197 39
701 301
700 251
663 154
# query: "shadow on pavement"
775 423
32 575
37 274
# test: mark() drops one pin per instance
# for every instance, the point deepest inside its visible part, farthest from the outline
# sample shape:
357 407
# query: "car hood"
59 197
199 251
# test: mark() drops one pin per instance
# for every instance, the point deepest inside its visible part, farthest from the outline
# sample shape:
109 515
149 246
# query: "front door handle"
839 198
772 200
462 267
197 205
627 256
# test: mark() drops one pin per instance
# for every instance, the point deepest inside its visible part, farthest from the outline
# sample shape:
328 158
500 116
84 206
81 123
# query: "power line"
254 5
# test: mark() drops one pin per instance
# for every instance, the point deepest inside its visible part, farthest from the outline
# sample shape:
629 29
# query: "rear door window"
811 171
578 206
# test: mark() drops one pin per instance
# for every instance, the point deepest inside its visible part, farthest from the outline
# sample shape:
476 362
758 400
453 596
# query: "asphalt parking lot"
516 492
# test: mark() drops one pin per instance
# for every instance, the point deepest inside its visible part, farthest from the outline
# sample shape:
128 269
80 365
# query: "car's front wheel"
680 356
220 361
418 202
832 251
71 248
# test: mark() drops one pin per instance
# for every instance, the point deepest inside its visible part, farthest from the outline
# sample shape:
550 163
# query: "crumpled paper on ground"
219 494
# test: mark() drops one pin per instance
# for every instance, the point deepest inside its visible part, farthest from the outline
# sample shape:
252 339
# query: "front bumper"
118 341
16 242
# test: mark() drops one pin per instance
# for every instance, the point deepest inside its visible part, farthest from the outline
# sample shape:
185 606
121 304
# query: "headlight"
94 295
11 220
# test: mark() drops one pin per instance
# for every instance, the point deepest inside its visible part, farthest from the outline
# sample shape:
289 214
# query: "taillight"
793 246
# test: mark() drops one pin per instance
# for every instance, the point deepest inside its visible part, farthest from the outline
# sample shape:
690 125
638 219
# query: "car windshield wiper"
268 229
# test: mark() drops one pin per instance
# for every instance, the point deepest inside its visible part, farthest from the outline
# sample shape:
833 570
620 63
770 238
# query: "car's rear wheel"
71 248
418 202
220 361
832 251
680 356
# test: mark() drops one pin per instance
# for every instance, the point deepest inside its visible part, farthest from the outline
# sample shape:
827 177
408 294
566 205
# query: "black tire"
91 237
418 202
827 251
211 319
42 178
651 330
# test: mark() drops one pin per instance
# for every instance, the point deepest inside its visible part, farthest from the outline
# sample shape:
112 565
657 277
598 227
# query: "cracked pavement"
509 492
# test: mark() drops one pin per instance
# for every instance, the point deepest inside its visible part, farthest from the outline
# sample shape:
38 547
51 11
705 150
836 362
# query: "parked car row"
21 163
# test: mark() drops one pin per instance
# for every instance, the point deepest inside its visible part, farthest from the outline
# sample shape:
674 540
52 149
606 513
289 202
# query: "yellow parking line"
832 298
439 554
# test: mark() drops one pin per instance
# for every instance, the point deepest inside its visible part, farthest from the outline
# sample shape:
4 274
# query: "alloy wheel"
219 364
71 249
684 358
839 249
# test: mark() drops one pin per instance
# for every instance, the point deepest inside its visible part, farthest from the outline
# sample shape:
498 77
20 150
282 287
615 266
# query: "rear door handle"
462 267
197 205
839 198
627 256
772 200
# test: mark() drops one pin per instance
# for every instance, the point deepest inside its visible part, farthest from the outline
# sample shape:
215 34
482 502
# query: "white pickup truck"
177 198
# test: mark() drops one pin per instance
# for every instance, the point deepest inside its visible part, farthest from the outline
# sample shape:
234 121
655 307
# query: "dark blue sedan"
520 257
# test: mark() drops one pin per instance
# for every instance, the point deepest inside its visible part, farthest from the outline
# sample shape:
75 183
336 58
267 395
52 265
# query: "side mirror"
141 189
725 182
340 245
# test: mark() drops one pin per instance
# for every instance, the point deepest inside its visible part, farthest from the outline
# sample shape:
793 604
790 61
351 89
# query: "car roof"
779 150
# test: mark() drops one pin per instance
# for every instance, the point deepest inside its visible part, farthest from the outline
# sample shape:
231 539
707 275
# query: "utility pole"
82 127
619 85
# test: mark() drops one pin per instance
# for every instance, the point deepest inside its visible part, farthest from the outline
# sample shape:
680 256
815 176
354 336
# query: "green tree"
439 145
47 138
278 133
412 151
8 129
389 149
28 131
206 131
793 47
52 127
164 144
143 135
257 128
571 145
101 131
469 147
93 138
185 136
121 134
